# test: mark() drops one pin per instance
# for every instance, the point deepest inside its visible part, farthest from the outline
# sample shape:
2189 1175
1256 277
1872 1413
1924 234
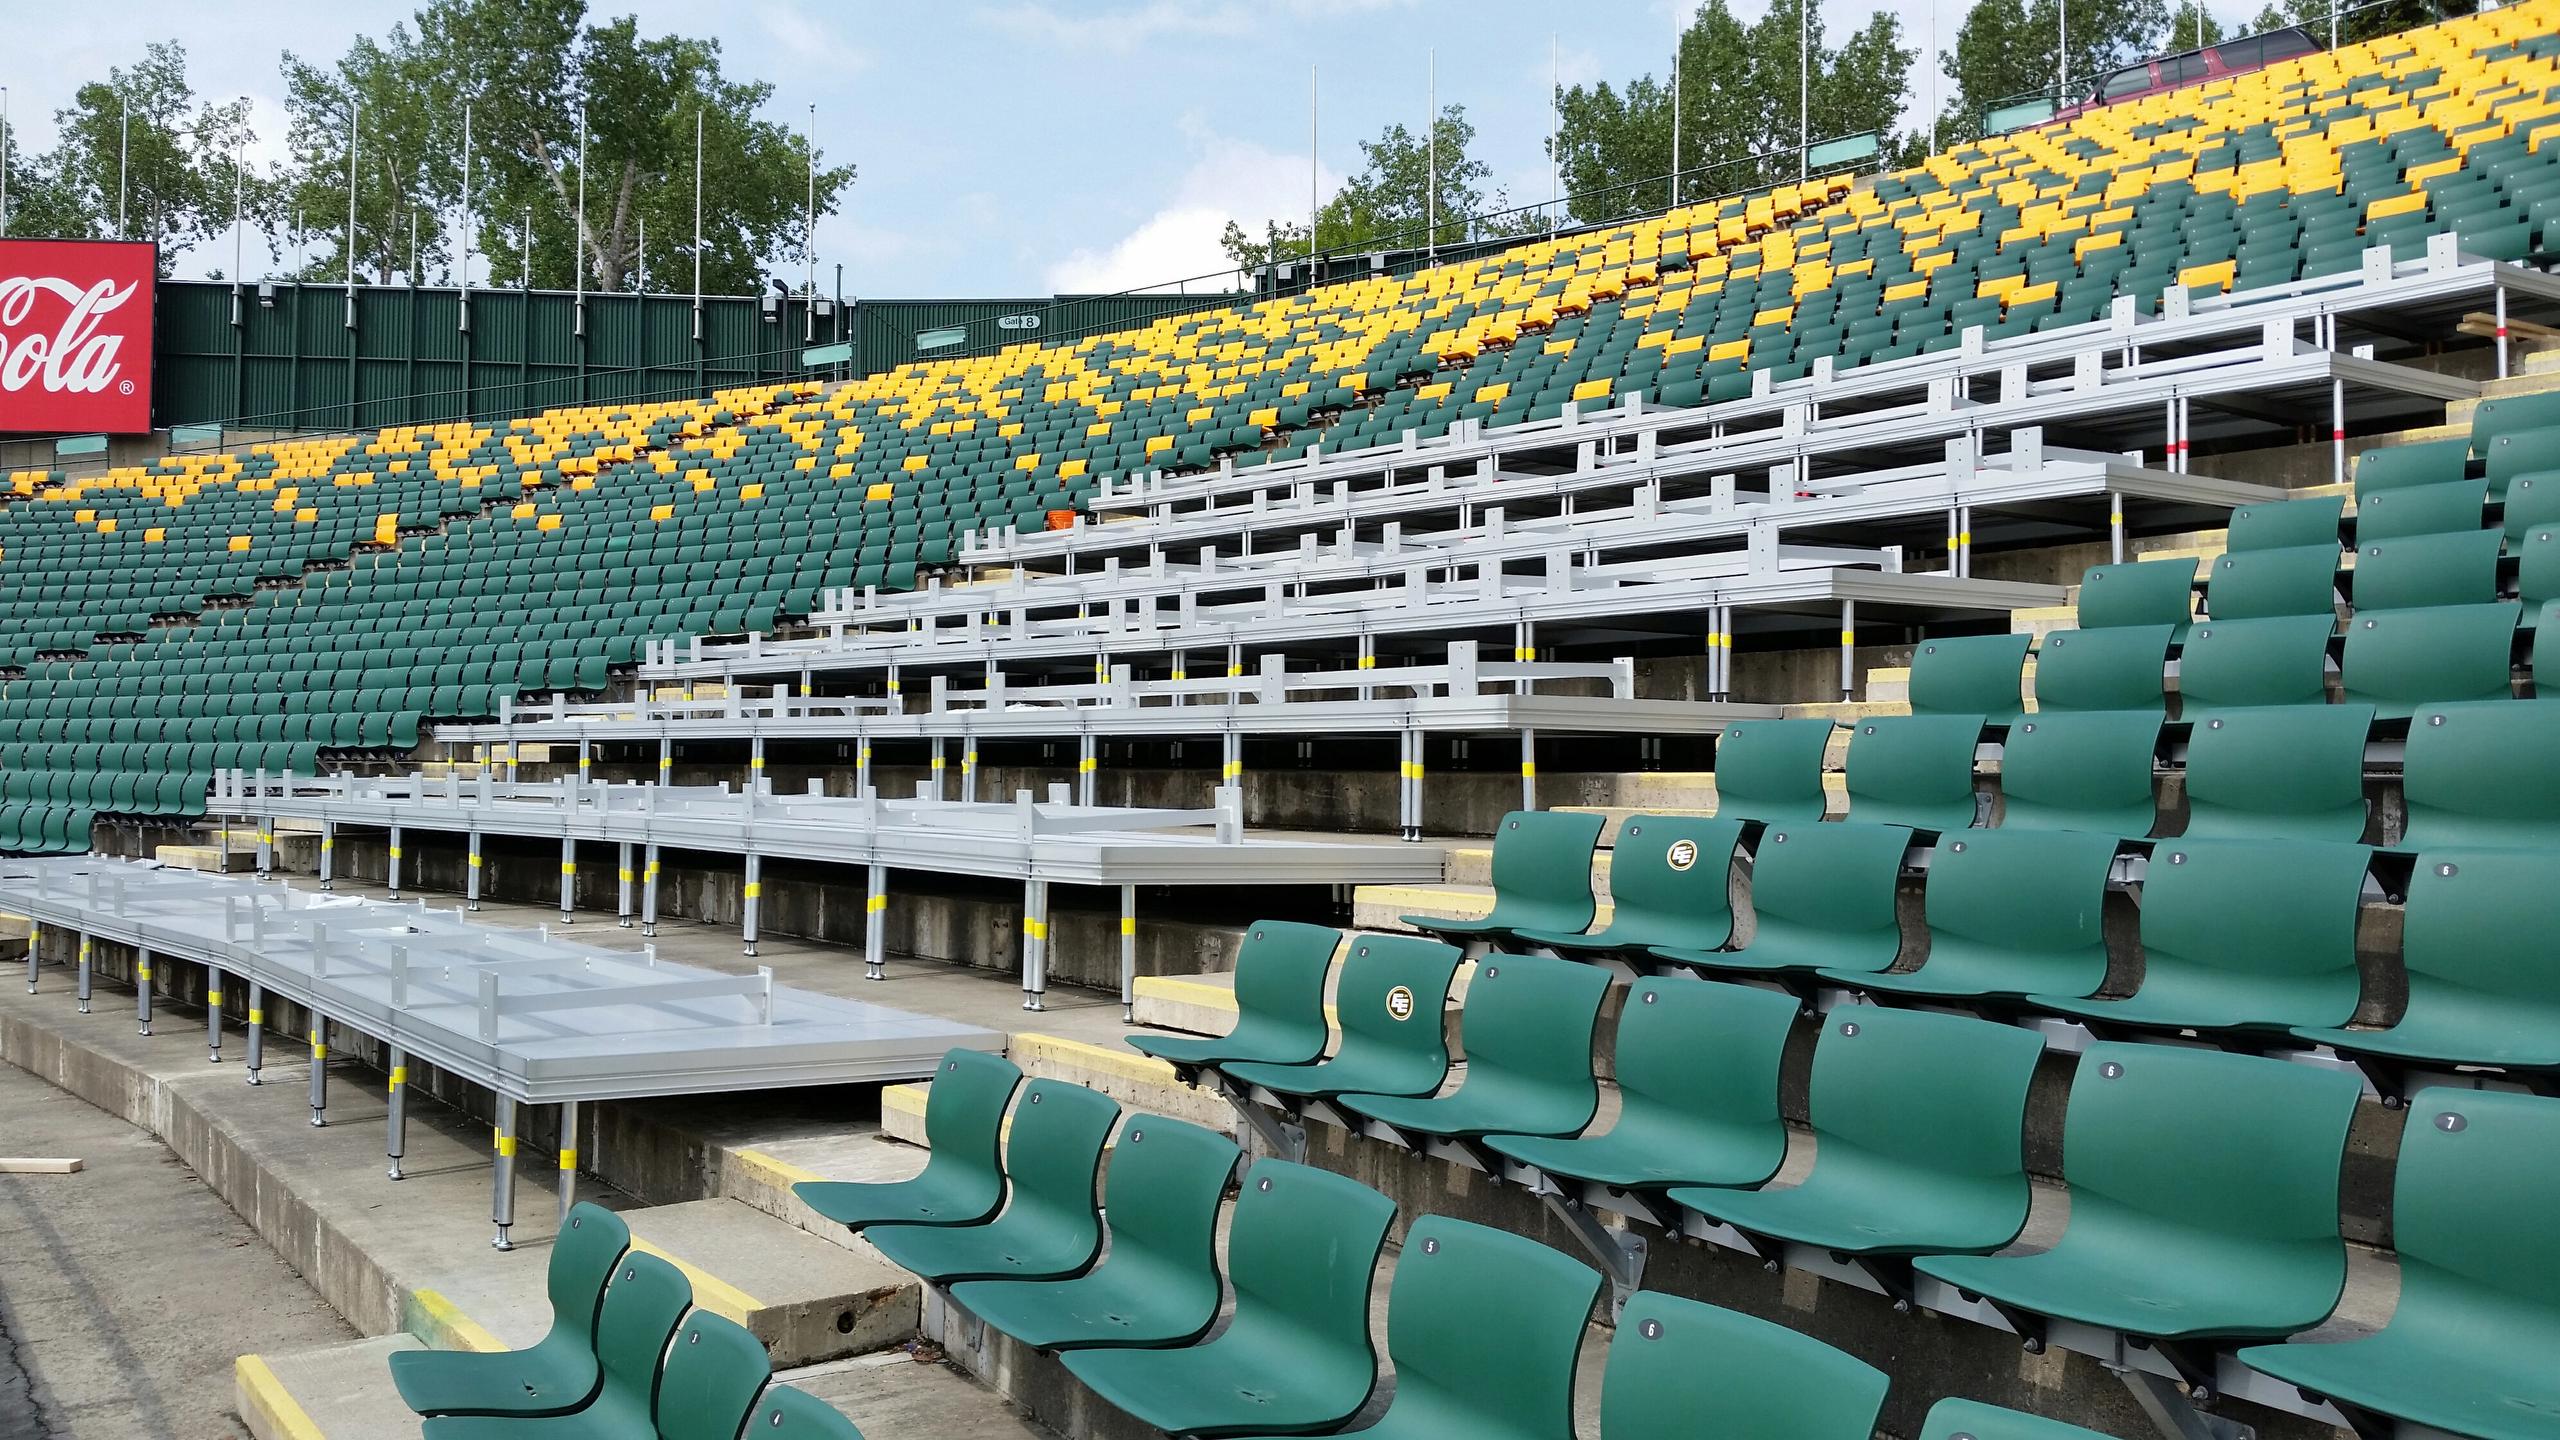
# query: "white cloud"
1118 31
814 45
1228 179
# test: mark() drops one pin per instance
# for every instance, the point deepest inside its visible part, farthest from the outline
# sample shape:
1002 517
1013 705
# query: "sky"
1011 147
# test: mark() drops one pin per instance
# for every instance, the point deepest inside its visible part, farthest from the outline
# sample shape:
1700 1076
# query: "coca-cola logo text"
75 336
75 357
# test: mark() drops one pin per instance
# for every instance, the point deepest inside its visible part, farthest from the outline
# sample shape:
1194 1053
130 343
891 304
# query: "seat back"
2117 669
2292 773
1053 1150
2276 916
1702 1047
2020 896
1542 869
1280 974
1771 770
647 1298
1162 1193
2482 775
1533 1017
2510 414
1392 991
583 1255
713 1375
2150 592
2265 1170
2473 1191
2397 467
2083 771
2238 664
2302 580
788 1414
1914 770
2478 924
2397 660
1939 1092
1486 1323
2409 571
1679 1367
1671 877
2440 508
2283 524
1815 886
2514 453
1970 675
1973 1420
2533 503
1303 1246
964 1116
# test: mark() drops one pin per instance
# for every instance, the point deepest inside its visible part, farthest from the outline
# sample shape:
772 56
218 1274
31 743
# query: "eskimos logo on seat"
75 336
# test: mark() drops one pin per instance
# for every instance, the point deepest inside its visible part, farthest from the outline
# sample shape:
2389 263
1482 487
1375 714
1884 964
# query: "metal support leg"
666 760
267 845
1128 953
2338 432
394 873
754 899
84 974
622 886
502 1176
568 1157
2115 528
649 890
1848 649
969 768
1528 768
875 925
862 767
319 1070
35 943
568 881
1964 541
1283 1138
2499 293
1087 763
142 990
586 758
471 875
1621 1252
395 1120
939 760
1035 942
1231 761
755 763
213 1014
2177 1417
257 1039
1409 787
328 854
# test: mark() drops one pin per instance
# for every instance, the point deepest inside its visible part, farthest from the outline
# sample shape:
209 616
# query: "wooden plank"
38 1167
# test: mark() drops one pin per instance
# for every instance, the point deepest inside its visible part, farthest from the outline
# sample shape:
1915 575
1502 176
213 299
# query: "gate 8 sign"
75 336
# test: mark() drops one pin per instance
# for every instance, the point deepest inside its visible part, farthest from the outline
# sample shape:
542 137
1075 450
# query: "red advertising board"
75 336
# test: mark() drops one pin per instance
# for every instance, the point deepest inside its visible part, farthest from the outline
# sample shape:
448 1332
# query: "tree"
408 158
2006 48
2358 24
1388 204
137 158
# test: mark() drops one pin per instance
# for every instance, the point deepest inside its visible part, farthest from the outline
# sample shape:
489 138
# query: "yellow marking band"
257 1017
756 763
651 872
327 844
266 839
319 1048
877 903
666 762
1178 675
755 888
710 1292
568 1159
1368 662
1964 538
1128 924
142 972
399 1076
213 999
395 852
506 1145
1035 929
1234 768
260 1391
475 862
1523 653
1528 768
1234 671
1848 637
1088 765
937 762
2115 517
568 867
626 875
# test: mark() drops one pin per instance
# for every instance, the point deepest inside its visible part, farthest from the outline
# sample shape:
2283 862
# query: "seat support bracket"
1621 1252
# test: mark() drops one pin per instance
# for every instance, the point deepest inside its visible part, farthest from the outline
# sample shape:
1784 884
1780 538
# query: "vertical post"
809 236
622 887
568 1157
2498 292
666 760
2338 432
586 759
875 924
578 242
1087 763
2062 52
35 943
1128 953
124 149
862 766
213 1014
568 880
1677 33
471 873
84 973
2115 528
142 990
755 763
267 845
1804 88
1315 185
464 280
649 890
938 744
754 897
1848 648
1232 770
502 1175
1035 942
355 119
394 874
697 243
395 1120
328 854
1528 767
257 1031
969 767
319 1069
1431 151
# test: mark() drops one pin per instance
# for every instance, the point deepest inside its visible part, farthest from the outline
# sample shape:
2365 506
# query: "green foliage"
2007 48
143 126
1388 204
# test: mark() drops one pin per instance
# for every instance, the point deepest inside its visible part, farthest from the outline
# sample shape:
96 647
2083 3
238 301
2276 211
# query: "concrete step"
337 1392
1136 1081
1383 907
1188 1004
1613 816
207 858
1472 865
806 1298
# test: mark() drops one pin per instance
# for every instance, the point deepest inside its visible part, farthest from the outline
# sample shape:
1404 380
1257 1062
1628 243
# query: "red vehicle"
2236 56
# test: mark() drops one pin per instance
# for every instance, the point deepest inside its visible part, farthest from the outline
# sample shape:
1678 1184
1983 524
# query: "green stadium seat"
1914 770
1823 897
2241 935
1970 675
1669 884
643 1305
1528 1027
2115 669
1295 1357
787 1414
2468 1348
1541 877
2413 571
2011 913
1389 1000
1679 1367
1279 978
2399 660
1159 1284
2066 770
2254 584
963 1179
1697 1071
1049 1228
2399 467
1973 1420
715 1370
2231 1232
557 1373
1770 771
2284 524
2152 592
2441 508
1919 1124
2484 776
2293 772
2244 664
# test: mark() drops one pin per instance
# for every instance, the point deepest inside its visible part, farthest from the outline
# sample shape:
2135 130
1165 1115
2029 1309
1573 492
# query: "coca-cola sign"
75 336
